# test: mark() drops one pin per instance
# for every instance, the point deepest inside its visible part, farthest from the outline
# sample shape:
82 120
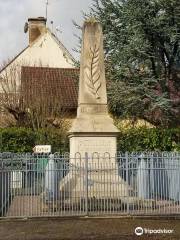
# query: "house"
44 48
45 66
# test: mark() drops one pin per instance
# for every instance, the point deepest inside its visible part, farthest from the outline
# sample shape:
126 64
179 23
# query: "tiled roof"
50 86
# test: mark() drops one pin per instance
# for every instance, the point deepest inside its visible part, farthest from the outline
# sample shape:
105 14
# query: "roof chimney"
37 26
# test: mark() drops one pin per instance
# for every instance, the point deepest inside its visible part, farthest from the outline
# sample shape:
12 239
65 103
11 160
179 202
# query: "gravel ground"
86 228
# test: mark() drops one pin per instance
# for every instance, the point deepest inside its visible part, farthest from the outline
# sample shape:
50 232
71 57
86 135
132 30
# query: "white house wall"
46 51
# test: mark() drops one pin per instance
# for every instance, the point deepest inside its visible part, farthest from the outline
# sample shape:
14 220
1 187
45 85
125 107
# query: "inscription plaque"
93 109
91 146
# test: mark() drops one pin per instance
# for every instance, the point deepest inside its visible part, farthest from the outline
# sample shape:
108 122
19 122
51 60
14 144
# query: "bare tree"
10 81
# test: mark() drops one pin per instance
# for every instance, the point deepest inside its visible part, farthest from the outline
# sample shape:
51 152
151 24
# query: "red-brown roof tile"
50 85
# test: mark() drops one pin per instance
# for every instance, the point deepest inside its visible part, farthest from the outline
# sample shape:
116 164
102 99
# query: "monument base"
94 170
98 184
92 144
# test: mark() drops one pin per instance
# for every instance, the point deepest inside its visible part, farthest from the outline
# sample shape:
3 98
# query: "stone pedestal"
93 144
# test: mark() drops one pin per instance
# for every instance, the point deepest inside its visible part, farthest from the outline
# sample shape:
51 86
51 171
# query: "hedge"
23 139
133 139
149 139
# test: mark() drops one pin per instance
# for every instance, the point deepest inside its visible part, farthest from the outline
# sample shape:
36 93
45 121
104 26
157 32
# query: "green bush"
23 139
54 137
149 139
17 140
133 139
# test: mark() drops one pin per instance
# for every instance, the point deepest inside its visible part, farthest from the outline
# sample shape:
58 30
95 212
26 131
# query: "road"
86 229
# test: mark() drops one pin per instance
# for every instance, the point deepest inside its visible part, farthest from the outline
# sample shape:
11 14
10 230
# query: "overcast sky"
14 14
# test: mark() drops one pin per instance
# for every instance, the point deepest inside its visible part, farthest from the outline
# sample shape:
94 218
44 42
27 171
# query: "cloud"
14 14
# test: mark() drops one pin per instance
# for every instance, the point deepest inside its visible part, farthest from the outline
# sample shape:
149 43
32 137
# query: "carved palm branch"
92 72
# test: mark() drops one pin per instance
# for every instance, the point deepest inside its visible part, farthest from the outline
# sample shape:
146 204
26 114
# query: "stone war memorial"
93 134
93 129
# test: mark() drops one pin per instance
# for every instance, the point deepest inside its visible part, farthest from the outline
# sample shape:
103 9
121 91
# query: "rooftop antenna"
47 3
58 30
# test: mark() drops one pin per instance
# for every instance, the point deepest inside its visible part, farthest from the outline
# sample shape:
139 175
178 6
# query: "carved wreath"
92 72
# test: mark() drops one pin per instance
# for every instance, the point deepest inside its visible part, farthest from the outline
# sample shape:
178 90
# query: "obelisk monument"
93 129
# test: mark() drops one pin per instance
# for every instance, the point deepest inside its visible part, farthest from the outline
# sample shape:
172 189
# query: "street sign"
42 149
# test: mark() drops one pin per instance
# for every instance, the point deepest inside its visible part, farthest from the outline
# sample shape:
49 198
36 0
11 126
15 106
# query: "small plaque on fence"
42 149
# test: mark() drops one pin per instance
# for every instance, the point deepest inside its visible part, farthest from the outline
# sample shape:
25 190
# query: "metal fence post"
127 179
86 183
